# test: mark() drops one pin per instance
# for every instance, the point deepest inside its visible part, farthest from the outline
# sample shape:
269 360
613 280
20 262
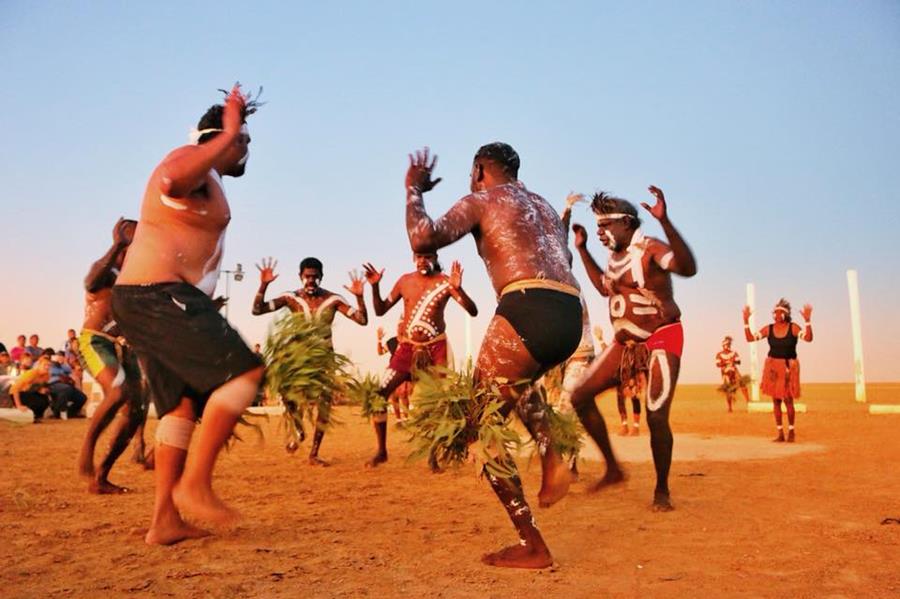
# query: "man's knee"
236 395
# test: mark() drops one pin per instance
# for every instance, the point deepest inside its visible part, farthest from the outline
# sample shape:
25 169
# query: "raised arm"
373 276
748 334
186 168
566 216
457 291
425 234
359 314
266 276
806 332
102 273
594 272
682 260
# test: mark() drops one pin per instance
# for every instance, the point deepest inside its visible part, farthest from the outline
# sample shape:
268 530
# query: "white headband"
781 309
195 134
611 216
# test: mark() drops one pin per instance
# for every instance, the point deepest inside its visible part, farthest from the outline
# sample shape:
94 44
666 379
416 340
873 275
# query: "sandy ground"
752 519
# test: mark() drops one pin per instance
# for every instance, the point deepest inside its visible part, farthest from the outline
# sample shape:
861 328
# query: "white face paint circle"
617 306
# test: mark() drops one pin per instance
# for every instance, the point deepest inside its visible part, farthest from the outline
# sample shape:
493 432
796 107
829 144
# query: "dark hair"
212 118
606 203
312 263
783 303
49 352
502 155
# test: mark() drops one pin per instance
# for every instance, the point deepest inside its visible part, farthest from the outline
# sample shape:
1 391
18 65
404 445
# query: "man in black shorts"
195 362
538 320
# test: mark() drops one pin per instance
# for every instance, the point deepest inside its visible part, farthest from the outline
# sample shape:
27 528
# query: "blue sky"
772 127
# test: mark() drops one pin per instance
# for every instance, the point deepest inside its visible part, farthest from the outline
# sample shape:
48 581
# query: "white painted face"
424 263
608 239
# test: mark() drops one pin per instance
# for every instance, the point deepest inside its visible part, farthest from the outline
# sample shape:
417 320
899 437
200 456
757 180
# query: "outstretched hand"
267 270
379 333
373 275
220 302
574 198
357 283
580 235
456 273
123 231
658 210
806 312
419 173
746 313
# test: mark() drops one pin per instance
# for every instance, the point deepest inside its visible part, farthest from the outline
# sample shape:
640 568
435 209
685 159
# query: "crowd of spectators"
35 378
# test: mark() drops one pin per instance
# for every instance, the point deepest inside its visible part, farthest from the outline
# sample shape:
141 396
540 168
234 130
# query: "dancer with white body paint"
727 361
538 322
422 330
196 363
400 397
646 321
315 303
781 372
104 354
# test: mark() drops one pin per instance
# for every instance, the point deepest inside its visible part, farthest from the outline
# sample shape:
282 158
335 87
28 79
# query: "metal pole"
859 376
227 291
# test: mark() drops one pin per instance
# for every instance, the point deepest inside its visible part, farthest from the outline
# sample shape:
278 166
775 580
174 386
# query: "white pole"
754 360
859 376
468 340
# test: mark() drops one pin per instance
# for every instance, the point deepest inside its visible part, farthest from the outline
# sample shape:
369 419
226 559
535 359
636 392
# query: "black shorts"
547 321
186 348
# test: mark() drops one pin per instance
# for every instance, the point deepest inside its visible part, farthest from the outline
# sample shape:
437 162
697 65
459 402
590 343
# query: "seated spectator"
64 396
18 350
71 337
7 376
6 364
29 390
33 348
3 348
26 362
73 361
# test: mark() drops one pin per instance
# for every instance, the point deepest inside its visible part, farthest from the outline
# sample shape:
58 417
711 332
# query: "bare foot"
315 460
519 556
779 438
791 437
624 431
573 472
202 505
555 484
635 431
169 534
612 477
86 464
378 458
291 447
661 502
104 487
